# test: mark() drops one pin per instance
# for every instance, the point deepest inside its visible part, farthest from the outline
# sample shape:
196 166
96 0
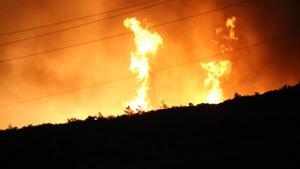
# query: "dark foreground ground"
258 131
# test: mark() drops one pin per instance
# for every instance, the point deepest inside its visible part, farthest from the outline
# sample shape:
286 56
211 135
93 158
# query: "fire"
230 24
147 44
216 70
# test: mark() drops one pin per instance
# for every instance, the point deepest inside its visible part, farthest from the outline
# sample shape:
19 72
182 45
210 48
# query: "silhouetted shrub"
284 87
73 119
10 127
110 117
91 118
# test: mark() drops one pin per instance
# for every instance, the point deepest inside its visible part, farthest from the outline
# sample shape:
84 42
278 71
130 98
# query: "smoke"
255 69
272 65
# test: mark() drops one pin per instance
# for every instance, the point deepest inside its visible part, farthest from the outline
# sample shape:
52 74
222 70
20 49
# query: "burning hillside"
147 43
239 133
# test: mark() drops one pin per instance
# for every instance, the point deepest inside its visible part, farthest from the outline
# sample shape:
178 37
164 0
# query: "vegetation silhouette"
259 131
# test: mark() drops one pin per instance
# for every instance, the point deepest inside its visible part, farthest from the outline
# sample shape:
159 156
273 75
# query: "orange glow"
147 44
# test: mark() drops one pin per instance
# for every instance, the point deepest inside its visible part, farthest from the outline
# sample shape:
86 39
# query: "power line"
62 48
203 13
66 91
75 19
84 24
289 35
125 33
279 38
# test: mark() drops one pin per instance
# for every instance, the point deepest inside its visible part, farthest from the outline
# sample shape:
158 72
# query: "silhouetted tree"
128 111
236 95
100 116
163 105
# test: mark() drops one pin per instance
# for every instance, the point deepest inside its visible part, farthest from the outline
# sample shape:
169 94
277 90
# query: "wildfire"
147 44
216 70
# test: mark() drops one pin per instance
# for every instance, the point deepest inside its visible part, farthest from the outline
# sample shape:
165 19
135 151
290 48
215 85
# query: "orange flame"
230 24
216 70
147 43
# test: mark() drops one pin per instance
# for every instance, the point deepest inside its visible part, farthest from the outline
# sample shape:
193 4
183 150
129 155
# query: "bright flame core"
147 43
215 70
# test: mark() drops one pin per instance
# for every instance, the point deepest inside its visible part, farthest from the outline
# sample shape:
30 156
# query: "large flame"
216 70
147 44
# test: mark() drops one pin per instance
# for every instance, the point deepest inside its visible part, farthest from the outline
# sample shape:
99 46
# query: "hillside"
259 131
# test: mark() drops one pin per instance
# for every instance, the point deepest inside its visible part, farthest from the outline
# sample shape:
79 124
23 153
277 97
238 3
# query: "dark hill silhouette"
259 131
